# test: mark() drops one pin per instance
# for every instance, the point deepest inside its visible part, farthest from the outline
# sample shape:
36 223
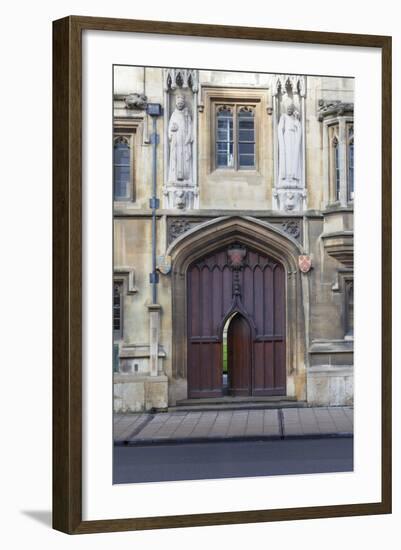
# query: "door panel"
204 374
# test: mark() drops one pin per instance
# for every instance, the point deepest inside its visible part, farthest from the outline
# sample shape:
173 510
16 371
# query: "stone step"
233 404
236 399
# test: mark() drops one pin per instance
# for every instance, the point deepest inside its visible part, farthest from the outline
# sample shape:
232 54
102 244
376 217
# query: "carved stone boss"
180 190
289 193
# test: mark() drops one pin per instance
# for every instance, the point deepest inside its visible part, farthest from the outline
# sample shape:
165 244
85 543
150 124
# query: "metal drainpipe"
154 204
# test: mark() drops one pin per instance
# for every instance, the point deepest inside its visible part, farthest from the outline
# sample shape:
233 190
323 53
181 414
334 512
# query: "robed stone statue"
289 146
180 138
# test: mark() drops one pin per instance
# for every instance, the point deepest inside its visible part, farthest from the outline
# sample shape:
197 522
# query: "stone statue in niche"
180 136
289 148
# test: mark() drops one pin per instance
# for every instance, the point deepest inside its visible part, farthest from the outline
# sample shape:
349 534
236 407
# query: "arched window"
334 162
122 168
336 157
349 307
350 158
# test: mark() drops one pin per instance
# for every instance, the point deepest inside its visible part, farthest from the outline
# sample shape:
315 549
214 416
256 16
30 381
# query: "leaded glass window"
246 138
349 307
235 140
340 144
117 309
122 165
350 154
224 138
336 168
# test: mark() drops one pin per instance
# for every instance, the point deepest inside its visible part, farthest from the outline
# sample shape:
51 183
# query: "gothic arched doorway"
239 356
247 286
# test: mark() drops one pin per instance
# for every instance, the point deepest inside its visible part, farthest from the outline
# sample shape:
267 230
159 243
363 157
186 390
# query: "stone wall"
324 233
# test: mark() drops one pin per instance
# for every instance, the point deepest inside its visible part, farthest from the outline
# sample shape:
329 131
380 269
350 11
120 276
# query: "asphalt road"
240 459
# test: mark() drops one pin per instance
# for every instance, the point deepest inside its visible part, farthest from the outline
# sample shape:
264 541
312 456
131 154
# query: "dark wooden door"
263 297
239 353
209 294
215 290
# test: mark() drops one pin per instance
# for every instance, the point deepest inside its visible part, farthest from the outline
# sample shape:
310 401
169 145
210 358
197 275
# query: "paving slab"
225 425
271 423
125 426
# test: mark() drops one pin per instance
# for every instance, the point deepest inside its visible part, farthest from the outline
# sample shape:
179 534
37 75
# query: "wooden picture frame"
67 274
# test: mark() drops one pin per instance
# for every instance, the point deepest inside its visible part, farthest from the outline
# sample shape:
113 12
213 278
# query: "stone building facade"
244 257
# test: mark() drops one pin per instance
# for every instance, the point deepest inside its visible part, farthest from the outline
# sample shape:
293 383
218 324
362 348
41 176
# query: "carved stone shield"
236 256
164 264
304 263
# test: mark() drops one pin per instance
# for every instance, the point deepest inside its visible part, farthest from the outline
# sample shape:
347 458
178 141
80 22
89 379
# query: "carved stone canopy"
181 78
283 83
334 108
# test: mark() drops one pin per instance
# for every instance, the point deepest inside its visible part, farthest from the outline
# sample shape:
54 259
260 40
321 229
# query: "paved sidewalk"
188 427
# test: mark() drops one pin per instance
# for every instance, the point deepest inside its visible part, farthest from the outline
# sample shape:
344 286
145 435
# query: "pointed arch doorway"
246 286
239 356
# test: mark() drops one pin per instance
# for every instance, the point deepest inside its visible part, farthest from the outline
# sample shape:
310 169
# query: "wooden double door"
239 291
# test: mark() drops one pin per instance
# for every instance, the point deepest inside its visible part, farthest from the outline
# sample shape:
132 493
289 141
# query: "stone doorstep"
206 407
248 399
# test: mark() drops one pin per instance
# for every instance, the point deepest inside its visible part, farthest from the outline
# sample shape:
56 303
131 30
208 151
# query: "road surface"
227 459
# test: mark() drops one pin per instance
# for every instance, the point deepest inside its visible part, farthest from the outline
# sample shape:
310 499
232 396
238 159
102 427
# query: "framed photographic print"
222 275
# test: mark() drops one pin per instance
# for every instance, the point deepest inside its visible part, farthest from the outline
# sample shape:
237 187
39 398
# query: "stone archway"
262 237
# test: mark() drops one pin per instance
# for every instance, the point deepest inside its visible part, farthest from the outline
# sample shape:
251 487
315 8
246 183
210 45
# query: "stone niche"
289 192
180 189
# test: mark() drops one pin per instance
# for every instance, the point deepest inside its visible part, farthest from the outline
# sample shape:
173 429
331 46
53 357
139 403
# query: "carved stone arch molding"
260 236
